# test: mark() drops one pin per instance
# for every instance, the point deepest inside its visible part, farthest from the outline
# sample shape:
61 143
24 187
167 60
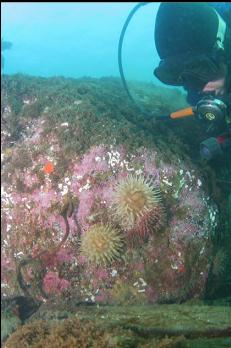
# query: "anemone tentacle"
102 244
134 198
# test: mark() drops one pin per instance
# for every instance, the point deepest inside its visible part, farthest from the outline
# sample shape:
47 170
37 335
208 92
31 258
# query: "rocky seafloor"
104 207
157 326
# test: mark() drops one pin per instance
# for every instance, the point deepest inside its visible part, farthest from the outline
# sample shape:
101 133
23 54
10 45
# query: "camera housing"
213 147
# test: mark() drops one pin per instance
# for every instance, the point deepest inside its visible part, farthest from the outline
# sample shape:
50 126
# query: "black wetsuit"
224 10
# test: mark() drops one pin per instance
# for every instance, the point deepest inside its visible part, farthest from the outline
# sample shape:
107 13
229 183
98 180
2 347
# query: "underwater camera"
208 109
214 112
212 109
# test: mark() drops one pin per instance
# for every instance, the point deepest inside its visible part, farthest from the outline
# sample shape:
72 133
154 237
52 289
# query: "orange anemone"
48 168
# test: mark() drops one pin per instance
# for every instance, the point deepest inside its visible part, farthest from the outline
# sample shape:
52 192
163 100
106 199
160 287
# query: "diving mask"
188 70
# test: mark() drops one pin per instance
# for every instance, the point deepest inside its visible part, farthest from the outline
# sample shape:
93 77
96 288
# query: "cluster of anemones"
137 210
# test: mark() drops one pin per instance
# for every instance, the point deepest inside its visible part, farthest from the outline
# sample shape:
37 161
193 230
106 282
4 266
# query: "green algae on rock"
128 326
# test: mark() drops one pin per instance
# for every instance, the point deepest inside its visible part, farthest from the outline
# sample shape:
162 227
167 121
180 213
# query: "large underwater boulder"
98 221
140 228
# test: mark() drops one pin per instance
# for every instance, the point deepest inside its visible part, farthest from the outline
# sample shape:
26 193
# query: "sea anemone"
101 244
134 198
151 222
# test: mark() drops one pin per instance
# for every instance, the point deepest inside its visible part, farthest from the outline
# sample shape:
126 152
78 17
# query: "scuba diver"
193 41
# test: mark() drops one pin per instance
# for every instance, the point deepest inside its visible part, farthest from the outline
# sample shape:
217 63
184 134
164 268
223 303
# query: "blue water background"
79 39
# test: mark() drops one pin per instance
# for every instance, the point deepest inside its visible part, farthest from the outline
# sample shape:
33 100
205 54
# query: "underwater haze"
78 39
115 232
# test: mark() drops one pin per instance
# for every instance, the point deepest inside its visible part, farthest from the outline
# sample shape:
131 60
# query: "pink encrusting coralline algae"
52 284
151 244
